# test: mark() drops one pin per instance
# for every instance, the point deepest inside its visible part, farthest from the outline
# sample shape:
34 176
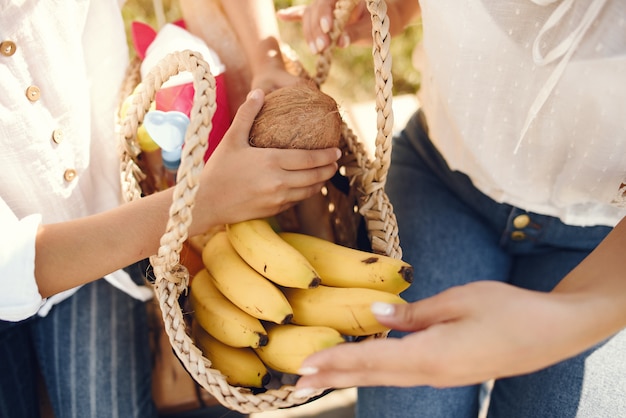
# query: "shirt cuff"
19 295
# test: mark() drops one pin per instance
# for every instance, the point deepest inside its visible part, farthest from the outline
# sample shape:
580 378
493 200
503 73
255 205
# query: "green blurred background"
351 76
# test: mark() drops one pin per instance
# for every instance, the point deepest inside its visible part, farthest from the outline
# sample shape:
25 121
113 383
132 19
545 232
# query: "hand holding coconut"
244 182
301 116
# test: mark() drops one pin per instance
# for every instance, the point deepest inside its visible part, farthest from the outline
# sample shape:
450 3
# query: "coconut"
297 116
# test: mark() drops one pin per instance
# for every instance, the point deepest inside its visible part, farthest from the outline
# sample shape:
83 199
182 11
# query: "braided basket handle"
341 14
384 81
166 261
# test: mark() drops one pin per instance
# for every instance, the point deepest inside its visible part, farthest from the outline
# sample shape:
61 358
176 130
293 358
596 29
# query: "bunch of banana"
345 309
286 295
288 345
220 317
243 285
348 267
239 365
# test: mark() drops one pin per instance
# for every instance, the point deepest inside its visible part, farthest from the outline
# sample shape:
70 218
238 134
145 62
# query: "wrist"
588 317
268 55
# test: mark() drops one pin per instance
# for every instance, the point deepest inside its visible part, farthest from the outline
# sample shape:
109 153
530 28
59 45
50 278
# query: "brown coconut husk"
298 116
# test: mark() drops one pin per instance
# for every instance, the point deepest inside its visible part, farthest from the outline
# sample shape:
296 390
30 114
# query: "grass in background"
351 76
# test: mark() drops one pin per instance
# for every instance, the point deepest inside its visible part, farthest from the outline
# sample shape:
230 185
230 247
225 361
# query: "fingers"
420 315
291 14
300 183
317 23
316 19
298 159
312 176
299 194
285 181
365 363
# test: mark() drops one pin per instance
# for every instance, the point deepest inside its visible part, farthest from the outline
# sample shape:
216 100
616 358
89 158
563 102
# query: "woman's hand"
485 330
464 335
317 21
242 182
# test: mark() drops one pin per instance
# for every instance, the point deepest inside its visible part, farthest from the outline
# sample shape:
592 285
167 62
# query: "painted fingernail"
312 48
344 41
382 309
320 43
306 371
304 392
254 94
325 24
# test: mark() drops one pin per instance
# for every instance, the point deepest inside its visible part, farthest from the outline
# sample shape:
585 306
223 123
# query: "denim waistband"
521 231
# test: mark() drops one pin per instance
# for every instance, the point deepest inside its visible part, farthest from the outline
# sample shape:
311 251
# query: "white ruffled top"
527 97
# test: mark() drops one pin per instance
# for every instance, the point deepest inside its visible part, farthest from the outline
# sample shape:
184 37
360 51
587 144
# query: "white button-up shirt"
59 160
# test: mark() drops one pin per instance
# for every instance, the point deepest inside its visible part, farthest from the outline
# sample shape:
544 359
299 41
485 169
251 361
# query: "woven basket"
354 200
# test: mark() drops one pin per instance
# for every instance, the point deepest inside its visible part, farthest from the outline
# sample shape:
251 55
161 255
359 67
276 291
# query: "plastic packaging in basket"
354 206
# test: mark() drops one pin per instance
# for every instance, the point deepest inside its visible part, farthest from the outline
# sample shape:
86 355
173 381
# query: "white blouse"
61 66
527 98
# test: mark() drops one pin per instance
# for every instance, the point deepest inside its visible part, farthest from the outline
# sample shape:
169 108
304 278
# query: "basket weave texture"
365 203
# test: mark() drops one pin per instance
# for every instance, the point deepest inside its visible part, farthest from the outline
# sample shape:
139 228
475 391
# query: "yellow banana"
220 317
288 345
261 247
345 309
241 284
239 365
348 267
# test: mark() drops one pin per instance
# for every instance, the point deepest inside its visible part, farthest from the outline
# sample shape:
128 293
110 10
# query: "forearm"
72 253
597 288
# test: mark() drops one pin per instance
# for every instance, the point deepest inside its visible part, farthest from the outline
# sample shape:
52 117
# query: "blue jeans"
453 234
92 351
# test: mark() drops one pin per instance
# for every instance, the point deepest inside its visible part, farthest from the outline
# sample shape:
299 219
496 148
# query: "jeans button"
518 236
521 221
